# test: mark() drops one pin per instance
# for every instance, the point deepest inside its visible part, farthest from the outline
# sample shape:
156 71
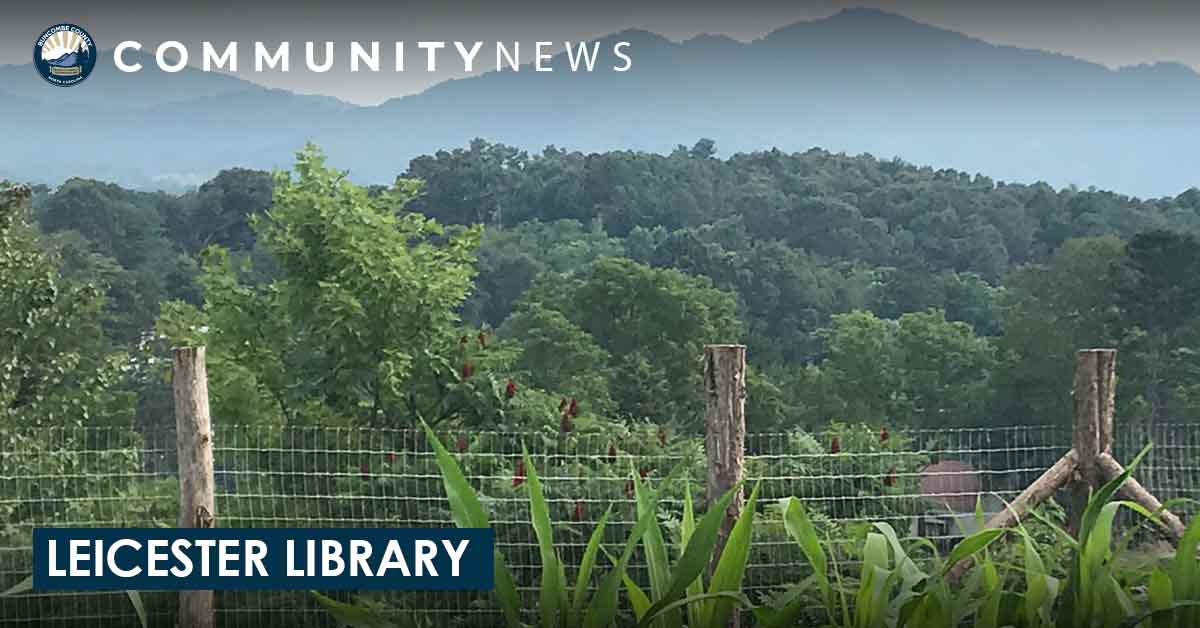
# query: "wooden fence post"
724 430
193 438
1093 395
1090 462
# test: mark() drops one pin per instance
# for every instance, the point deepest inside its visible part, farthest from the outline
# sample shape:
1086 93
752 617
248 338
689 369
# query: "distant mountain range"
859 81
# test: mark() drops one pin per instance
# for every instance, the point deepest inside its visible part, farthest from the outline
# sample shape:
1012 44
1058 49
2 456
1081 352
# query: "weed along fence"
202 473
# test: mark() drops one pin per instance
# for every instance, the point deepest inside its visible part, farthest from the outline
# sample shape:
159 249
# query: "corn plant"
672 587
1095 596
681 586
891 588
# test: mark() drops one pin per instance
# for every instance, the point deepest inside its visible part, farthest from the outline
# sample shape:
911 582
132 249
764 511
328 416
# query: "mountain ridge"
860 81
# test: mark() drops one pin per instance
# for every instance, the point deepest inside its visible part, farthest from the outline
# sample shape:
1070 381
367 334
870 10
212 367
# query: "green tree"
54 369
1158 291
361 317
919 370
861 362
652 322
115 238
510 259
1051 311
945 373
219 211
557 355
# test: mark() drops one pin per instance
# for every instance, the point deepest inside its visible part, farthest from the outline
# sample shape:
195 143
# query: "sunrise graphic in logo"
64 54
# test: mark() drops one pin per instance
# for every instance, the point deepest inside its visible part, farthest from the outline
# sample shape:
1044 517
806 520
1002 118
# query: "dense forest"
494 287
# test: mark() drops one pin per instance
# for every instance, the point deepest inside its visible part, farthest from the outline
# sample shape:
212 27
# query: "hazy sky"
1111 32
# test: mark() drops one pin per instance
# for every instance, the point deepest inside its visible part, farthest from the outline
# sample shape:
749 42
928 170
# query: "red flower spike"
465 340
612 454
579 511
467 370
510 390
890 478
462 444
573 409
482 340
835 446
565 424
629 488
662 436
883 434
644 471
365 470
391 457
519 474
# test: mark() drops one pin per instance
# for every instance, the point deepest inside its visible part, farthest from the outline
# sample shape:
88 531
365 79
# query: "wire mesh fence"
923 482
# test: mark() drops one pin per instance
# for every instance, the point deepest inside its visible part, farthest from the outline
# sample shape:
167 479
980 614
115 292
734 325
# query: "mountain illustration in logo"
67 60
64 48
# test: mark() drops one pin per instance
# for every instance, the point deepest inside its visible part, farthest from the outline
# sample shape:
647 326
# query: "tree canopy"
490 285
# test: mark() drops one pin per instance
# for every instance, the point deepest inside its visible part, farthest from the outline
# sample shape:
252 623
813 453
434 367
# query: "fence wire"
922 482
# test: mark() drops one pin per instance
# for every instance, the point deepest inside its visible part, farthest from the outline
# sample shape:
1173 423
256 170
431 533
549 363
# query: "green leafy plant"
682 585
135 598
894 583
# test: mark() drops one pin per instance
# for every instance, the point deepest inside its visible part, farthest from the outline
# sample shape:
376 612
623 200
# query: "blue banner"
413 559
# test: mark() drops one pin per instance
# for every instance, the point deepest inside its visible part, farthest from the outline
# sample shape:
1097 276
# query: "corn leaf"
19 588
139 607
1185 572
350 615
1161 595
602 610
468 512
696 554
731 566
1040 587
906 572
798 526
730 597
657 562
637 597
686 532
553 594
586 565
971 545
1151 615
1104 495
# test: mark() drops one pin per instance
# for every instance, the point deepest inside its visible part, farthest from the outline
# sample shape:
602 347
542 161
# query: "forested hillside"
496 287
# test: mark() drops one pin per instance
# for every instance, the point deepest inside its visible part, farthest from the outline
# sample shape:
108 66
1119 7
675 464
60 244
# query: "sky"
1114 33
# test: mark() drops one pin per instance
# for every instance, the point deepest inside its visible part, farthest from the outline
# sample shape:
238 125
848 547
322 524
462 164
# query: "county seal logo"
64 55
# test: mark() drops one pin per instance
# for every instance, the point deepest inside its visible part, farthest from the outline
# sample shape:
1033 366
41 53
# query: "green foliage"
135 598
920 370
894 590
1050 312
55 369
220 211
651 322
511 258
1158 293
556 605
557 354
314 328
115 238
892 582
360 317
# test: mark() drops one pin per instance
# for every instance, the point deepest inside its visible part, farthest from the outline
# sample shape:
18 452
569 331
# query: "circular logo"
64 54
